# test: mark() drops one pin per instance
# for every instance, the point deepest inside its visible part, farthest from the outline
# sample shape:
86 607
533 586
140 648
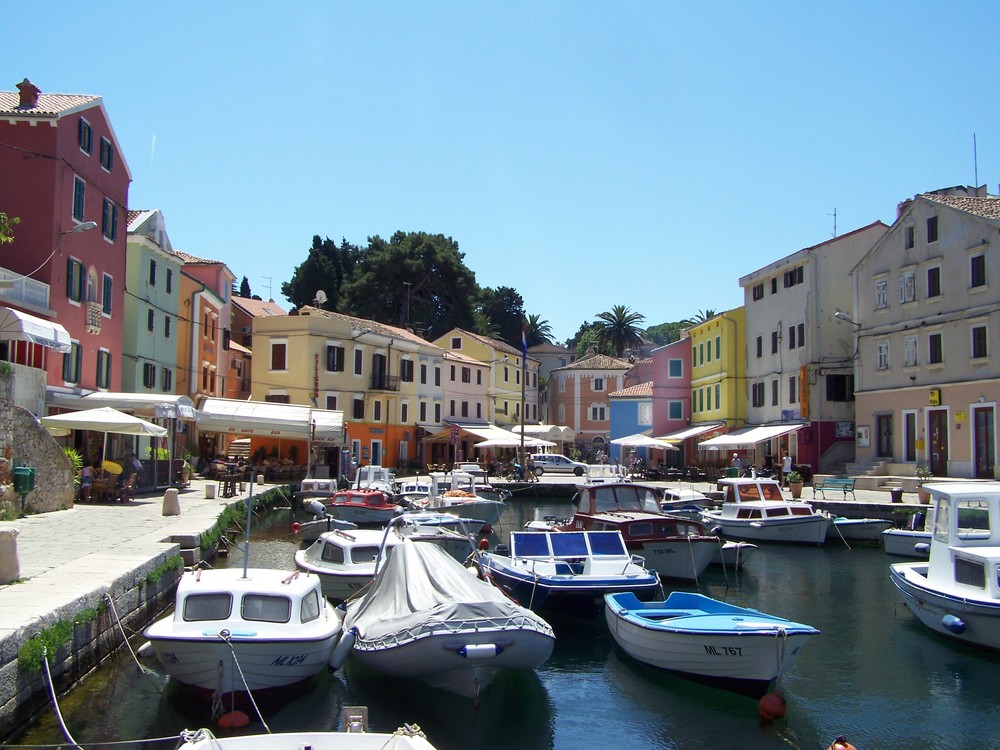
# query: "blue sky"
587 154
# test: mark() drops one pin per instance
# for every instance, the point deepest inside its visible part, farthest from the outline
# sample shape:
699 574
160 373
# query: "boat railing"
462 627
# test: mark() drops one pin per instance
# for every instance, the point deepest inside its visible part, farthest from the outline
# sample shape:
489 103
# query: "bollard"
260 479
10 566
171 503
210 491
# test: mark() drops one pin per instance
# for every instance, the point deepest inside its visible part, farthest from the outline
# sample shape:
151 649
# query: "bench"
843 484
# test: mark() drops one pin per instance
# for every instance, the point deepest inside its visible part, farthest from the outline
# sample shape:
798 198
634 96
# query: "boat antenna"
246 539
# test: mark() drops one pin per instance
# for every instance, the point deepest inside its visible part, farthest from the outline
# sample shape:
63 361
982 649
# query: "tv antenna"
268 279
320 299
834 215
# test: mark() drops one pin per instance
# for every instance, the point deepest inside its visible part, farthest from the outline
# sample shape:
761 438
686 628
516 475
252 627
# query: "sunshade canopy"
161 405
104 419
17 325
480 432
681 435
750 436
270 419
644 441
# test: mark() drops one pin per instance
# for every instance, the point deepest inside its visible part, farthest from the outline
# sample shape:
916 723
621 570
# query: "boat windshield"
207 607
611 497
607 543
267 608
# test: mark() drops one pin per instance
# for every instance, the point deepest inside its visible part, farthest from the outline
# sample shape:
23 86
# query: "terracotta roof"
598 362
987 208
374 325
257 308
132 215
643 390
196 261
50 106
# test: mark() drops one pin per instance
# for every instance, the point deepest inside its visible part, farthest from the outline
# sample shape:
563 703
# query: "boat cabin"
374 475
749 490
965 536
453 481
611 497
572 552
363 498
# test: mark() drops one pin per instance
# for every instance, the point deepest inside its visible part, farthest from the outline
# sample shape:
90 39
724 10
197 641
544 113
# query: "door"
937 443
984 441
883 430
910 436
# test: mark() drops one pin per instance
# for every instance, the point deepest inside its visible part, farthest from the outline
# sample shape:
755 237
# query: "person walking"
738 464
786 467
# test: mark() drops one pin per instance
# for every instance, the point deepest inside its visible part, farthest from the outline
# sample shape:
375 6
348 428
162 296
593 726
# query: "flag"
524 346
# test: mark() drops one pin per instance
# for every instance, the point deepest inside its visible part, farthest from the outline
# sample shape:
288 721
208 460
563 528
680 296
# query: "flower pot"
923 496
796 489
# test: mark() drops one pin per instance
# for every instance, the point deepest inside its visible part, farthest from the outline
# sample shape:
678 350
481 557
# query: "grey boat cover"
421 588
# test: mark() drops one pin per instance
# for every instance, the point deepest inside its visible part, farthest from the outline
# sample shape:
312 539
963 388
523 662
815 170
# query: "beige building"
926 317
579 397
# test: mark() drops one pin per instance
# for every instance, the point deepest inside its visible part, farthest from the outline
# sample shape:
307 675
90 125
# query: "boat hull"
794 530
858 529
734 555
346 740
978 621
900 542
683 558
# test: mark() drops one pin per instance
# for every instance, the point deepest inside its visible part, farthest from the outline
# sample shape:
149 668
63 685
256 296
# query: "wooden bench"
843 484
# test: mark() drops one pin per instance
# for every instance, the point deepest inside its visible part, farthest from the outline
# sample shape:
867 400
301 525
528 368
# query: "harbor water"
874 675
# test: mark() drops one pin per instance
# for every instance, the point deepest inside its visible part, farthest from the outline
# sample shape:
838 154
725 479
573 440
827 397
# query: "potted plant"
923 475
794 480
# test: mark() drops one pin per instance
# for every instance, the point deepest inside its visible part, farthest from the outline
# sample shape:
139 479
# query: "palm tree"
701 317
620 329
483 324
537 331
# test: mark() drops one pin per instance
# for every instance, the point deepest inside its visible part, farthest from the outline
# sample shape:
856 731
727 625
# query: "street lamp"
85 226
841 315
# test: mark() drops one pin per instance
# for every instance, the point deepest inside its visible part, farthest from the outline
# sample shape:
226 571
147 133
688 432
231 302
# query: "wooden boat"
346 560
705 640
277 625
754 509
956 593
425 617
567 572
363 507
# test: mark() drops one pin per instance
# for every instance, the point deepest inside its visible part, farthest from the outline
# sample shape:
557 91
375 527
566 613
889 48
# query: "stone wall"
30 444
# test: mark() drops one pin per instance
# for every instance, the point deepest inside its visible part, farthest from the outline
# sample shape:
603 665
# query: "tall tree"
505 307
483 325
326 269
537 331
620 328
245 288
664 333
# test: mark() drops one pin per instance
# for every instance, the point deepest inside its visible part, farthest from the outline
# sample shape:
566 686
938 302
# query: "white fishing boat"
957 591
236 630
346 560
567 572
375 477
912 541
427 617
460 492
754 509
706 640
858 529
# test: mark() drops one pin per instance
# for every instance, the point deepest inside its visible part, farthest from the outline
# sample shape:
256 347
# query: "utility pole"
408 284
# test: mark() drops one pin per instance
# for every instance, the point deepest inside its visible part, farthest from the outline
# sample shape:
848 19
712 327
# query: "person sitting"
86 482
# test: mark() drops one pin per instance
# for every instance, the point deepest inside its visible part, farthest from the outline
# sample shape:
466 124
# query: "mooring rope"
55 702
224 635
121 627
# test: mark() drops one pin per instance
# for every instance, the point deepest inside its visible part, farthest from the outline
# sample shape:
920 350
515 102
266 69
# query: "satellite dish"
321 297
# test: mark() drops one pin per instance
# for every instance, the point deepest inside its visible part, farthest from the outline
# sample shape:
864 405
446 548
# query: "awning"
642 440
750 436
553 432
20 326
682 435
478 432
269 419
161 405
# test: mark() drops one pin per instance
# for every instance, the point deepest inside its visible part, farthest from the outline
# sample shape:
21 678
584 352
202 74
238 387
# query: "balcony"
93 311
385 383
21 290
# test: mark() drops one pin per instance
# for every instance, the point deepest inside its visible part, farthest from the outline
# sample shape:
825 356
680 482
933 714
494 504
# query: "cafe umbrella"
105 419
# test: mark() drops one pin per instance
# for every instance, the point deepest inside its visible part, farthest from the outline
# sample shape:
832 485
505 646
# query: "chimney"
29 94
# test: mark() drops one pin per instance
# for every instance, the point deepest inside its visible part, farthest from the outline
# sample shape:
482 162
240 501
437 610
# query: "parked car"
557 464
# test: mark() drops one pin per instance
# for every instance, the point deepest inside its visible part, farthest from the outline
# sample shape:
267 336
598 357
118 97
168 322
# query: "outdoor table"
104 489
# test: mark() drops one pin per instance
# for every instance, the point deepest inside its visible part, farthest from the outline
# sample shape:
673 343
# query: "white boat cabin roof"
264 595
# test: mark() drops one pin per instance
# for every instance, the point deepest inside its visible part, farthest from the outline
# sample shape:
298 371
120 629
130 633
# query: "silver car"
557 464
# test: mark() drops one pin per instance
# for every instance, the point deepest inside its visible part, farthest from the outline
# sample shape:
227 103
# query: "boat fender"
771 707
145 650
295 527
234 720
342 649
841 743
480 650
953 624
484 544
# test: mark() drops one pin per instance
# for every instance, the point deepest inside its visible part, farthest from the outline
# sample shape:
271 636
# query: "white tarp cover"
270 419
17 325
421 586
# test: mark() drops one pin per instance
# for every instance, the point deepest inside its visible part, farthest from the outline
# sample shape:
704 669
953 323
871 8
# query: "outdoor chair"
127 491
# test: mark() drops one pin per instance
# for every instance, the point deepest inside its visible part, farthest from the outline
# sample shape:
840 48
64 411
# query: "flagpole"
524 377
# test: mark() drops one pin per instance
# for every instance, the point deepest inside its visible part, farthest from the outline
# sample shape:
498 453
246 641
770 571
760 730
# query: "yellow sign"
935 397
918 444
959 416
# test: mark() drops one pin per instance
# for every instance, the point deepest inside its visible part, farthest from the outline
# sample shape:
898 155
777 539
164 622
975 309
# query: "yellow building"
385 380
718 369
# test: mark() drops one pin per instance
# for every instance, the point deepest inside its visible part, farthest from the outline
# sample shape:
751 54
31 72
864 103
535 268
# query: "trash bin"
24 479
732 472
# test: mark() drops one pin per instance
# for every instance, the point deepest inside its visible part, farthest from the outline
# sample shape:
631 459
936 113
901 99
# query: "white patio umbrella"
644 441
103 420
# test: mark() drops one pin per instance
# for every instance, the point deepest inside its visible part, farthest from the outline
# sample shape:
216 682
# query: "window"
934 352
278 354
791 337
170 281
701 399
882 351
377 411
71 364
675 368
331 403
79 198
708 399
675 410
797 336
359 362
774 342
166 326
979 348
465 409
437 412
109 220
708 357
437 379
479 411
451 370
167 380
76 280
718 347
597 413
107 293
506 374
423 411
107 154
207 607
758 292
793 277
404 412
91 286
406 371
466 374
760 347
839 387
359 408
932 229
774 392
479 377
910 351
267 608
792 384
104 369
423 374
977 271
757 394
718 395
934 281
85 137
334 358
774 285
150 320
907 287
149 375
598 384
881 294
908 237
152 272
456 342
701 353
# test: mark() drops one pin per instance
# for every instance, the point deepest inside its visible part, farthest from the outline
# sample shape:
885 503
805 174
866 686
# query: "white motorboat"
858 529
346 561
309 531
239 630
706 640
427 617
607 474
568 572
310 488
414 493
375 477
754 509
460 492
913 541
957 591
367 507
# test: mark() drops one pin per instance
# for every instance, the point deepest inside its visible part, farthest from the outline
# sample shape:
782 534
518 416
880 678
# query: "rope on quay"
121 627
